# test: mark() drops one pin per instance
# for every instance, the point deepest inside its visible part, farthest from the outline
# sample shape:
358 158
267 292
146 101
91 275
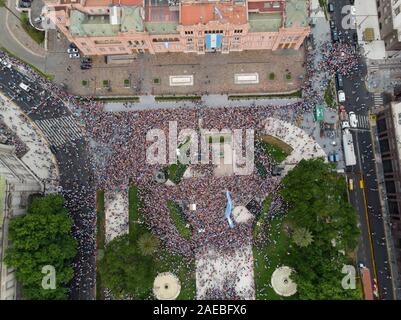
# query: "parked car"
353 119
334 35
330 7
86 60
345 125
72 50
353 10
25 3
341 96
74 56
85 66
332 24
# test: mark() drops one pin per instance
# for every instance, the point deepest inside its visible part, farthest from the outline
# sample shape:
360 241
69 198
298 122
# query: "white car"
345 125
74 56
341 96
353 119
353 10
72 50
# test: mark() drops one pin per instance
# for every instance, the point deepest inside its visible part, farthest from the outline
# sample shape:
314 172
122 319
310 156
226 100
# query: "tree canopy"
125 271
318 203
42 237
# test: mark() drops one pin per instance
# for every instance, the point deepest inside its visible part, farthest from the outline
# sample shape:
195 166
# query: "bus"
348 146
367 284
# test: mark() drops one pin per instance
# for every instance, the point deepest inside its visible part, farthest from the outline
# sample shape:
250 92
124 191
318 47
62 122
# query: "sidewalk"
149 103
39 159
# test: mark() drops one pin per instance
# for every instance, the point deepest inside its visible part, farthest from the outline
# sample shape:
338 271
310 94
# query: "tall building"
388 121
17 183
113 27
390 23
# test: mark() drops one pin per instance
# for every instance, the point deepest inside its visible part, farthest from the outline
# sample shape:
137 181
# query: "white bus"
348 146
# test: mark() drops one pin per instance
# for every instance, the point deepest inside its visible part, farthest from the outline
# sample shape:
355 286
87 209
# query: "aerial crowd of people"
115 158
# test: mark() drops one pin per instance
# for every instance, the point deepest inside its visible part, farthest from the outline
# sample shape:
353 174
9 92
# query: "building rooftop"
265 22
297 14
194 13
161 27
82 24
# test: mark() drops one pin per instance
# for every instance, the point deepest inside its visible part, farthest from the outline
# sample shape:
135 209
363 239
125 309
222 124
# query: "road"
372 250
74 166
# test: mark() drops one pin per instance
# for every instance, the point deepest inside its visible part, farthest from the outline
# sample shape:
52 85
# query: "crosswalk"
378 99
363 121
373 68
61 130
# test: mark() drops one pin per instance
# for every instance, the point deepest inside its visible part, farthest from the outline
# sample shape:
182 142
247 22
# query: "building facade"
121 27
390 23
388 121
17 183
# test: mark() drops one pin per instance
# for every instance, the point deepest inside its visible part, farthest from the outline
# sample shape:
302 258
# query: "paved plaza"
149 74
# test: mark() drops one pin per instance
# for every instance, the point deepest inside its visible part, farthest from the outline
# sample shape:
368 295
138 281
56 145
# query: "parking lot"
278 71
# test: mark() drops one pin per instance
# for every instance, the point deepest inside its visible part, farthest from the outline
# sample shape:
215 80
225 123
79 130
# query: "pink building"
111 27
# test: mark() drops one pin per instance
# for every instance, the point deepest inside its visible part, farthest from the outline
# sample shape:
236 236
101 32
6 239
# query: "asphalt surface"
372 250
74 167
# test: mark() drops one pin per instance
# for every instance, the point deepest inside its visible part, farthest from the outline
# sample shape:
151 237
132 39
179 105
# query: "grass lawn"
178 220
135 229
294 94
177 98
328 96
176 171
262 216
36 35
100 239
275 148
267 259
178 265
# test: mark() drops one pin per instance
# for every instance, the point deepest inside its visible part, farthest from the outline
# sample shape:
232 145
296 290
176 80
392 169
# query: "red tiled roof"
204 12
106 3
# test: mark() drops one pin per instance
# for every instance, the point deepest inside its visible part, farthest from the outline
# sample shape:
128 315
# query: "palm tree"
302 237
148 244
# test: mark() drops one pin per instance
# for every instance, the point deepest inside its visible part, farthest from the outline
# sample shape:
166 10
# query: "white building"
17 183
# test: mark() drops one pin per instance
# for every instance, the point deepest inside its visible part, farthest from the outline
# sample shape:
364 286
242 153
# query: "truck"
366 283
24 87
348 146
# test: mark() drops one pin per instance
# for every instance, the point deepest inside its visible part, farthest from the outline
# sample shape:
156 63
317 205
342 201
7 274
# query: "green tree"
39 238
317 201
302 237
148 244
125 271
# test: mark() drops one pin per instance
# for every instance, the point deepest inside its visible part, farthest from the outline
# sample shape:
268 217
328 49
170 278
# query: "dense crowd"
118 155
